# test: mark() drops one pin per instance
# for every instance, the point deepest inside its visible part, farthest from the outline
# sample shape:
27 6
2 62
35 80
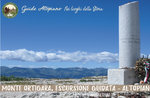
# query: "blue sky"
85 39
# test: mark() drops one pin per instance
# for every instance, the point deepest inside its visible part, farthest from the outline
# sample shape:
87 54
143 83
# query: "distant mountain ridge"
52 73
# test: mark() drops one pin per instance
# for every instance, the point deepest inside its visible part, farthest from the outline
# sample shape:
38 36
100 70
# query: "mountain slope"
52 73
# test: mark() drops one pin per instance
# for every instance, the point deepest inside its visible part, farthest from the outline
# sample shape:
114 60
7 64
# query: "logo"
10 10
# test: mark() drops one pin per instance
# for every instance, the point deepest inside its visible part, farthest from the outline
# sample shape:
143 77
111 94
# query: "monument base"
122 76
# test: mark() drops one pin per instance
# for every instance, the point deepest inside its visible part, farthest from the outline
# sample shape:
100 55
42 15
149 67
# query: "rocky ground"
88 80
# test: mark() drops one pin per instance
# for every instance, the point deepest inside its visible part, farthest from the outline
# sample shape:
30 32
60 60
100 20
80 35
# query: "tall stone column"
129 34
129 45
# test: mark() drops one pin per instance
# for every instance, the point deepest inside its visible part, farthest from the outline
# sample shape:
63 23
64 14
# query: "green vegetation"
11 78
82 80
88 80
140 67
64 81
101 77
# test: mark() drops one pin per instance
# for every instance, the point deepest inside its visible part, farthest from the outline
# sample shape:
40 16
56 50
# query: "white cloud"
59 56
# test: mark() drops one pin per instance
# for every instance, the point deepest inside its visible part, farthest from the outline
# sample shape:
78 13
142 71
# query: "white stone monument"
129 45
